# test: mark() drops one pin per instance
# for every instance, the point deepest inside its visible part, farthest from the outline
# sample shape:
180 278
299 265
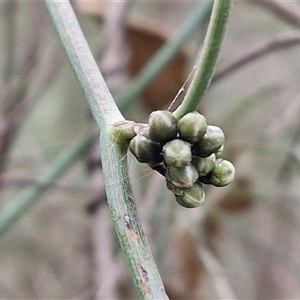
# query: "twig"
208 58
281 42
119 195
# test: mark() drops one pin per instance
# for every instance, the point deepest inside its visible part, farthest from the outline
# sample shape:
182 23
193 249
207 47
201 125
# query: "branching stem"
119 195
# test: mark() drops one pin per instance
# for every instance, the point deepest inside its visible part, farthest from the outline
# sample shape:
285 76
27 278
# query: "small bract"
143 148
182 177
177 153
222 174
162 126
192 197
192 127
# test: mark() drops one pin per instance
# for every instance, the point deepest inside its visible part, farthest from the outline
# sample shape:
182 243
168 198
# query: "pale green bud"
222 174
182 177
210 143
177 153
143 148
162 126
192 127
204 165
192 197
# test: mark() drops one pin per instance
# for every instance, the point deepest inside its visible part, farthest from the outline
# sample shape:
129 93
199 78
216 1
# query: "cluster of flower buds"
186 151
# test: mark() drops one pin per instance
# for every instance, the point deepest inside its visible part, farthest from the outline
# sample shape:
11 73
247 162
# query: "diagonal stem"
208 58
119 195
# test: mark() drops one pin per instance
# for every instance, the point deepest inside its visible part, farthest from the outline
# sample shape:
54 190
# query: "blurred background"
242 243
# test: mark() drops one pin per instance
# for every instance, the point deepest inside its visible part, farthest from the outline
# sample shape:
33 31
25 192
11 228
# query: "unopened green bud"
210 143
204 165
143 148
177 153
192 197
192 127
182 177
222 174
162 126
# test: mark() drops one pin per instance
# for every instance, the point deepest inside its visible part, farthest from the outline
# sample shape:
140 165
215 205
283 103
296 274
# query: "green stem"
123 210
164 56
14 209
118 189
208 58
99 98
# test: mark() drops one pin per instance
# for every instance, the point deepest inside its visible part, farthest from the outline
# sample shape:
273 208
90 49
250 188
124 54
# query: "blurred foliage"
244 241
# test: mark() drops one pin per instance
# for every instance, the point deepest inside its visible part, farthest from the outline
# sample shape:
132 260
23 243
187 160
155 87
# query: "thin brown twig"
282 41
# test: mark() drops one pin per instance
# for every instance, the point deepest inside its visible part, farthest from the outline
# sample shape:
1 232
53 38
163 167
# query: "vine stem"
119 195
208 58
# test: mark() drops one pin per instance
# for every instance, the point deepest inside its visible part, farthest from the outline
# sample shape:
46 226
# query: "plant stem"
99 98
164 56
123 210
208 58
16 207
118 189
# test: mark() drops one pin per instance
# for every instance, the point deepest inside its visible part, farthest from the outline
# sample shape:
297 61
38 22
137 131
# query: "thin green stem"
208 58
118 189
99 98
164 56
15 208
123 210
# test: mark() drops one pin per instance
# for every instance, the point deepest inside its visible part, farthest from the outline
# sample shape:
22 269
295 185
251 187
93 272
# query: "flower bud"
210 143
143 148
204 165
182 177
162 126
222 174
192 127
177 153
192 197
